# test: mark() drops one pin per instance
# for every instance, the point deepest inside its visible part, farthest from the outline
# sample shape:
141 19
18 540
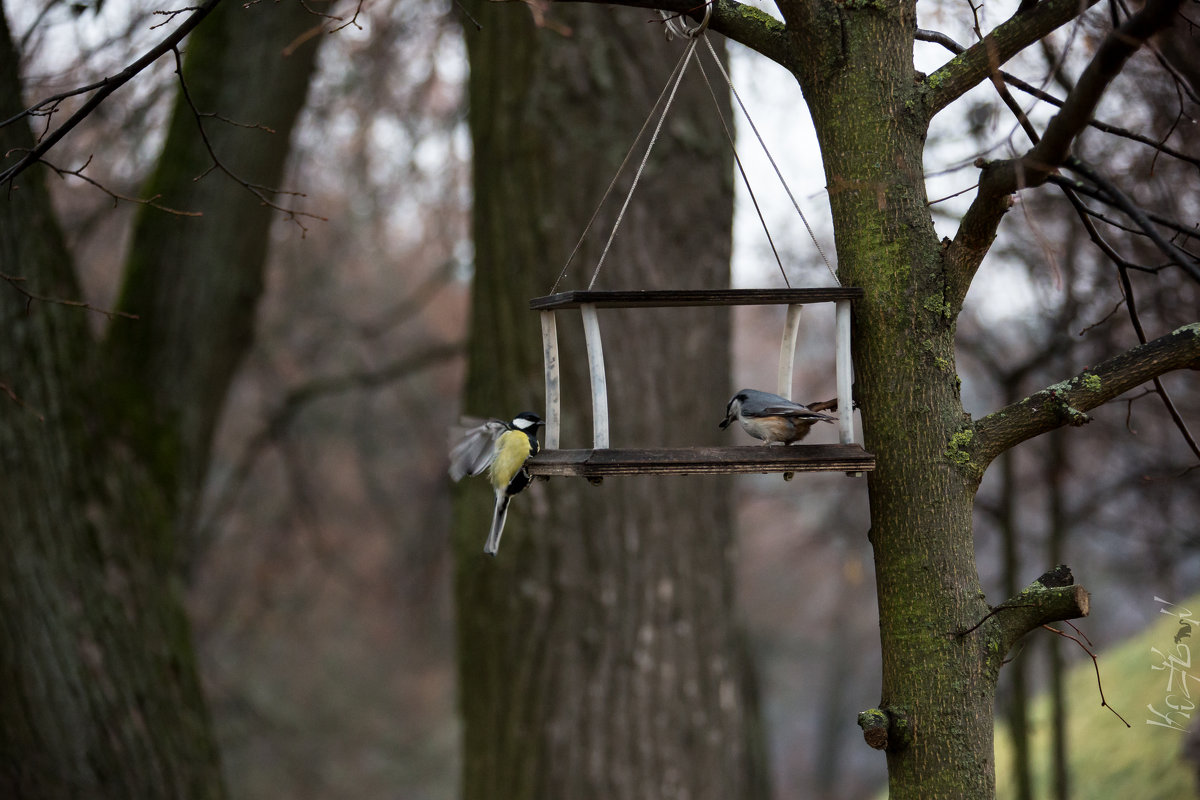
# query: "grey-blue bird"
770 417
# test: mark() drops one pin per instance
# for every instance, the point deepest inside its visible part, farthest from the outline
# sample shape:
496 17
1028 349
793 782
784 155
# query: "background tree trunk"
599 652
103 446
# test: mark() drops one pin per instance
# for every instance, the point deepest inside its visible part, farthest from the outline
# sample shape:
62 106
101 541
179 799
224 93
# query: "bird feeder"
602 460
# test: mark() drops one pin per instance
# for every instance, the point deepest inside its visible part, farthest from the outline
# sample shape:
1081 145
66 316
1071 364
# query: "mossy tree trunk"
599 655
104 441
871 108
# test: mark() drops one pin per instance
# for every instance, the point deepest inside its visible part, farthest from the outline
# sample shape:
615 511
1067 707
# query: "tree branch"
104 89
963 72
295 401
1066 403
1053 597
1005 177
742 23
937 37
1000 179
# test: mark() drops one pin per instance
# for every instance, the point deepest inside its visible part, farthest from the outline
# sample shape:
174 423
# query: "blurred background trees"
320 579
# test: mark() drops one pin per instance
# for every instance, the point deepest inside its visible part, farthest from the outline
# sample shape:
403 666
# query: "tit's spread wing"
474 451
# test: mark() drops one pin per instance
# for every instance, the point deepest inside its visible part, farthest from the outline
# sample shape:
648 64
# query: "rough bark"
599 655
938 688
101 446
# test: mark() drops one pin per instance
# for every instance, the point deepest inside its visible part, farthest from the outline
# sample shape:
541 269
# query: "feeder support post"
787 350
595 351
553 392
845 373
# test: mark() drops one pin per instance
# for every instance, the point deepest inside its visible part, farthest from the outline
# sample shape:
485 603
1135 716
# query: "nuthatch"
770 417
502 448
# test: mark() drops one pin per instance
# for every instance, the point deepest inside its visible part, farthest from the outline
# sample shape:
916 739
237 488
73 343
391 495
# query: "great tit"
502 448
770 417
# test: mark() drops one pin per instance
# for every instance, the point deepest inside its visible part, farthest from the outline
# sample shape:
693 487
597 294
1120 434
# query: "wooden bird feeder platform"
603 460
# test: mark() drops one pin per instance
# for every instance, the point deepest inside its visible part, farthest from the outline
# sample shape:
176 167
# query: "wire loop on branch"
676 27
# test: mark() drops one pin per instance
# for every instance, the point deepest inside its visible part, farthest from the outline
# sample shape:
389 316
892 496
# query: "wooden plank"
666 298
703 460
787 352
553 384
844 369
595 351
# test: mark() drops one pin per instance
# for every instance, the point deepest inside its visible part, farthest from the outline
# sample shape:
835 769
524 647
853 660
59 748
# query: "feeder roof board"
665 298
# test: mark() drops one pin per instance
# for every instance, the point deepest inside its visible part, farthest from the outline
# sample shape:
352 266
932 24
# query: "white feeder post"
553 392
845 373
595 350
787 351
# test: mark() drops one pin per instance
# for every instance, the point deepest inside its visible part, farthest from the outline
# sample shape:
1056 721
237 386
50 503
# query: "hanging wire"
687 57
745 179
629 154
676 27
673 28
782 180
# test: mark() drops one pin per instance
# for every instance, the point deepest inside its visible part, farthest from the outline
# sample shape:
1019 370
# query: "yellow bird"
502 448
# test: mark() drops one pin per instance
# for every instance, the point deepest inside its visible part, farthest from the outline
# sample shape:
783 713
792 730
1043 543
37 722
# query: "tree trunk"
599 654
103 447
937 687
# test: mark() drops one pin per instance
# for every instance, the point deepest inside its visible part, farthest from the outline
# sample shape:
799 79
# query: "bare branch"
965 71
1066 403
1052 151
742 23
1079 188
937 37
263 193
103 89
1000 179
1053 597
299 398
117 196
17 282
6 389
1119 199
1123 266
1159 389
1095 664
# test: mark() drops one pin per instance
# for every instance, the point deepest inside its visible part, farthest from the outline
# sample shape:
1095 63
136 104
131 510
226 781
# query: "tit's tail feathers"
498 516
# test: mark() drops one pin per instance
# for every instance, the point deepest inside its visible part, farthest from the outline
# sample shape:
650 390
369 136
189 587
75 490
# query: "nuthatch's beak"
725 423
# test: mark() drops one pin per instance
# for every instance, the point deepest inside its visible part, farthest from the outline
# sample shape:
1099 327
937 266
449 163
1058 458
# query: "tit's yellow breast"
512 449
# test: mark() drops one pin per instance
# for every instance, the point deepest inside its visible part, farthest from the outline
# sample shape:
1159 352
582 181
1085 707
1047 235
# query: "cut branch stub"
885 728
1051 598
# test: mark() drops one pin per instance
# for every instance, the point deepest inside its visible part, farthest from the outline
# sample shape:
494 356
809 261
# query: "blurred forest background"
320 584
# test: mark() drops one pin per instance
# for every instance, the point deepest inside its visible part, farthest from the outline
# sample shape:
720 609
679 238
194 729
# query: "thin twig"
992 613
936 37
16 282
467 14
106 87
1181 257
258 190
4 387
1116 307
1095 664
116 196
295 400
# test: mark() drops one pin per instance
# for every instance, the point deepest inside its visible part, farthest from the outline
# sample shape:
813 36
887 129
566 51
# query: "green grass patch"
1108 760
